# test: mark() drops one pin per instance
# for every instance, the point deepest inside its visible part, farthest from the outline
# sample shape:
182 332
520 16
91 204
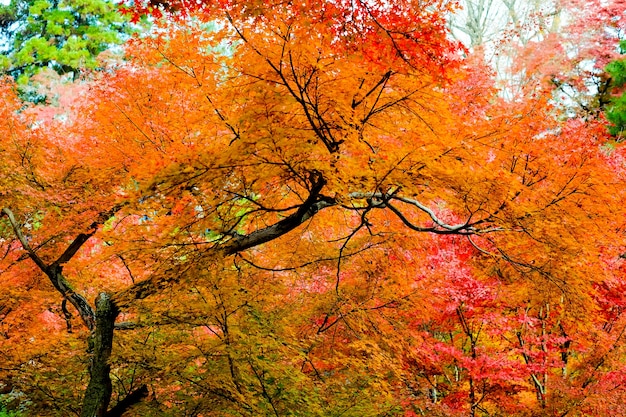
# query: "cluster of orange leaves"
463 257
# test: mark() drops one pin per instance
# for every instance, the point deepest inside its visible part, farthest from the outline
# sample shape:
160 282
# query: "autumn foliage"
312 209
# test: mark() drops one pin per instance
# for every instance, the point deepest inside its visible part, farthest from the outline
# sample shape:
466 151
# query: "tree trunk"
98 393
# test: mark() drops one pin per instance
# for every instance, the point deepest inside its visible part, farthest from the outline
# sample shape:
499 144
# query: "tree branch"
54 271
20 236
131 399
313 204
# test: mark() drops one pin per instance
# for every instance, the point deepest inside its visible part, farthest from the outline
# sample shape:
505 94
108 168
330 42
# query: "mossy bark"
98 393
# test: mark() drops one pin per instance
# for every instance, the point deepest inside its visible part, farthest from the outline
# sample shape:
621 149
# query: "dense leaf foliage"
62 36
312 209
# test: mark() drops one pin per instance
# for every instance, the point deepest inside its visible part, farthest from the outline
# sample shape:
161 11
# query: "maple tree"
313 209
562 46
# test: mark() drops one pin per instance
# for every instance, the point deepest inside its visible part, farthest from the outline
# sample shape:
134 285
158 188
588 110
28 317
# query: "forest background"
313 208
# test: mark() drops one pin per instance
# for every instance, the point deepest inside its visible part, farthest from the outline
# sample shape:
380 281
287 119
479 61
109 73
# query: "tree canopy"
64 36
319 208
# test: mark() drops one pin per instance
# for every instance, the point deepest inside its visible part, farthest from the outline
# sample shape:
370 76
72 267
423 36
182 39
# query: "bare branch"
313 204
54 271
20 236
